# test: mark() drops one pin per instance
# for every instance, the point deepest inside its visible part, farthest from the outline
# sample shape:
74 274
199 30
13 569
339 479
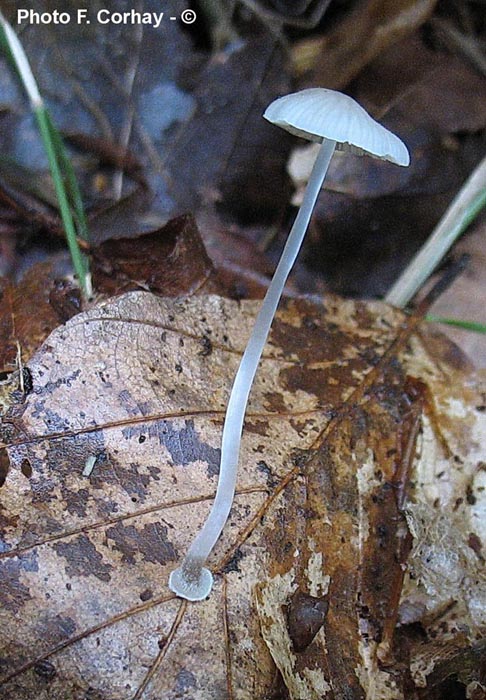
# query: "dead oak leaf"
114 458
30 310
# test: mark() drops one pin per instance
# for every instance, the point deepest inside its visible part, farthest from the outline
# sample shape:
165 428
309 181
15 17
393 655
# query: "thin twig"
442 284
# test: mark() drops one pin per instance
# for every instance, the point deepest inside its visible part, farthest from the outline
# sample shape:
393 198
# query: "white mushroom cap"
318 113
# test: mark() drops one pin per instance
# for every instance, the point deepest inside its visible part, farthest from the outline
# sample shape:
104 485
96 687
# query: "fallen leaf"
113 462
465 298
294 13
373 217
334 59
30 310
193 119
170 262
173 261
441 92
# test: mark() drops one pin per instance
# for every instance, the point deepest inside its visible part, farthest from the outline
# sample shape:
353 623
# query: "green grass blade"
69 178
67 191
458 323
80 262
16 54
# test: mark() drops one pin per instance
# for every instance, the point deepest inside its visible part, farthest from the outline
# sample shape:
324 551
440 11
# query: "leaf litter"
106 481
113 460
193 118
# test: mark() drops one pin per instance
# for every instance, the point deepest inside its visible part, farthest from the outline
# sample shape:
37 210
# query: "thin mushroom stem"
191 580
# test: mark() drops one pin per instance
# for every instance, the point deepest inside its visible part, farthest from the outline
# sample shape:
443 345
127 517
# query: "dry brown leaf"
30 310
170 261
334 59
464 300
114 458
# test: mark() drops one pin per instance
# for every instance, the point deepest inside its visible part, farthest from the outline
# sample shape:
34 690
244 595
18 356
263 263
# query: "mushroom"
337 122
